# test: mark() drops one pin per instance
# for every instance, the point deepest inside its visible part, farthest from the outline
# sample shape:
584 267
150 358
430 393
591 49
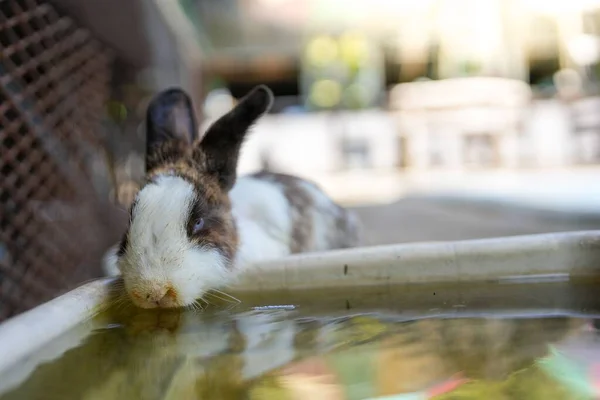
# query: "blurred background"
435 119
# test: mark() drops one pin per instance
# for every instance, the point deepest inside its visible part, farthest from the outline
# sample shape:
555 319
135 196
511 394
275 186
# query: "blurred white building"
454 123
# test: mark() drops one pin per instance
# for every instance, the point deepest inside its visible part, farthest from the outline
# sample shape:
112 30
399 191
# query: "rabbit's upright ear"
170 118
220 147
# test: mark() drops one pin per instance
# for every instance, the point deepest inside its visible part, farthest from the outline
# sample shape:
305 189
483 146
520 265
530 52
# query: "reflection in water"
281 355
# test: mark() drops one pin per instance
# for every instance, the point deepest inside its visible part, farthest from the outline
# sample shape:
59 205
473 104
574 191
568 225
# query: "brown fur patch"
344 228
347 230
301 202
177 158
219 230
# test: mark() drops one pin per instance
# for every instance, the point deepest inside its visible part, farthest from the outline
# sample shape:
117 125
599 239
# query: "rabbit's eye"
198 225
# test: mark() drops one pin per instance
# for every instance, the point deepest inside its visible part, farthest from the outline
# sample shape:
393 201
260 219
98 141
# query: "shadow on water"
367 343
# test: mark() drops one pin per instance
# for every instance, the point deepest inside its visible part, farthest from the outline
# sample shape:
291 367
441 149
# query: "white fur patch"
110 260
159 253
262 215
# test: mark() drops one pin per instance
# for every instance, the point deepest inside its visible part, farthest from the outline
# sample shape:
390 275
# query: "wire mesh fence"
55 217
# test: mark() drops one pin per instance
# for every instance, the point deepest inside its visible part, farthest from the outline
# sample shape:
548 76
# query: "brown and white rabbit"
193 225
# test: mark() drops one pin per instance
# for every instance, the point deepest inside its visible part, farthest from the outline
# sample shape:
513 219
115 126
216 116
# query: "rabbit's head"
181 240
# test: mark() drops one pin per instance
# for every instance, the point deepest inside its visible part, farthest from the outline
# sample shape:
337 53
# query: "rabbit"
194 225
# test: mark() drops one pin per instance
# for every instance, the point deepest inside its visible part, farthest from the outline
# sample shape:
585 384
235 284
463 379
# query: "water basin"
448 341
506 318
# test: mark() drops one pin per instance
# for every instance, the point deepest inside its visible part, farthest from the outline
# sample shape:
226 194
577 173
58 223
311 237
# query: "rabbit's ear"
220 147
170 116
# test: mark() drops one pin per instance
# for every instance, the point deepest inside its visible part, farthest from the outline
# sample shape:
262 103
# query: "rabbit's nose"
157 296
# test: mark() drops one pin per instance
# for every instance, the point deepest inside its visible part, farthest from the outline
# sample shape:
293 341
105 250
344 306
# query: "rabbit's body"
193 224
278 215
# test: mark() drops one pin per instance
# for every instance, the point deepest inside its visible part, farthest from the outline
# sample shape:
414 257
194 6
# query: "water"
475 341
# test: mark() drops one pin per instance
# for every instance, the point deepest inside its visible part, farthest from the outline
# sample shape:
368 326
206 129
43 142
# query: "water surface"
462 341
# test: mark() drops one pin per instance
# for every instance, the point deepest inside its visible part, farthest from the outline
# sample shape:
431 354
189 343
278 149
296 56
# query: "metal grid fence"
54 212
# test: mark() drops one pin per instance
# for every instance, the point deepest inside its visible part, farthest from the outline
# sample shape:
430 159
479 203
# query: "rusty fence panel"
55 217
